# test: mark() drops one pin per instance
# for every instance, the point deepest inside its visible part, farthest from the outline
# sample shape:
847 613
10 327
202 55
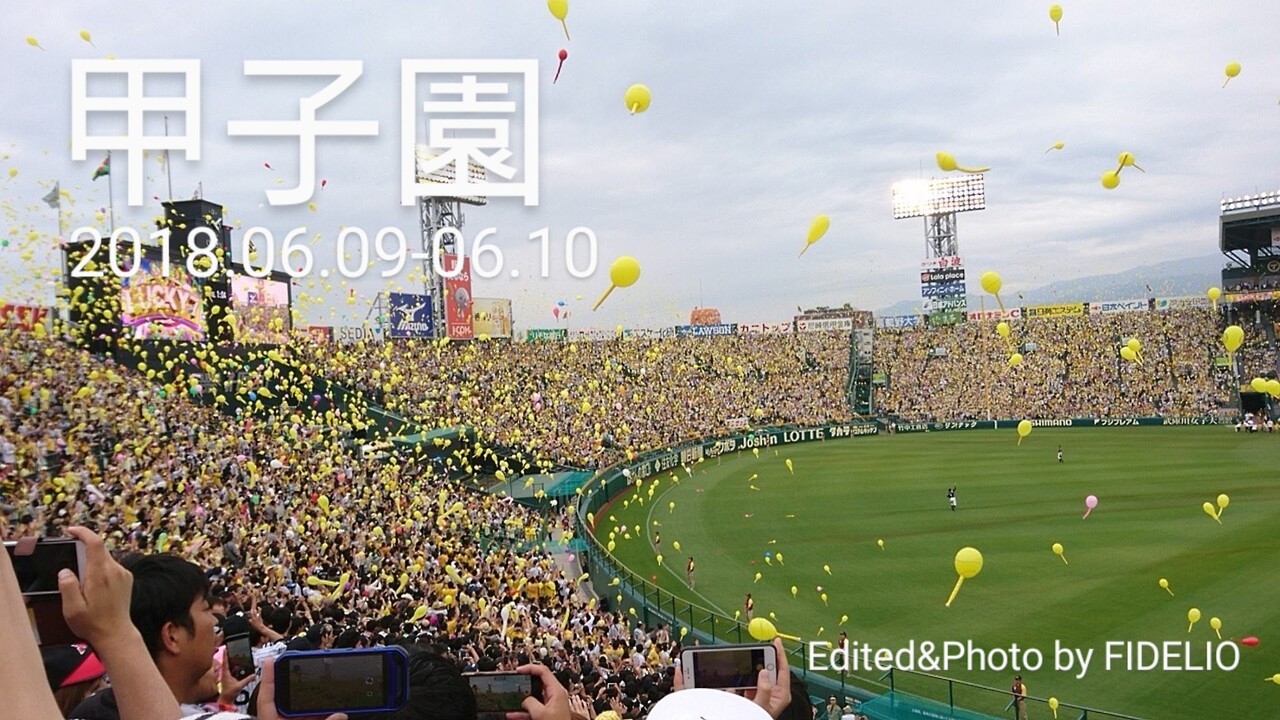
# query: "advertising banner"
492 317
1054 422
942 289
1182 303
1118 306
22 317
411 316
950 261
1054 310
350 334
666 332
593 334
155 306
708 330
803 325
783 328
899 321
261 306
945 317
997 314
954 274
946 303
320 333
457 298
545 334
1253 296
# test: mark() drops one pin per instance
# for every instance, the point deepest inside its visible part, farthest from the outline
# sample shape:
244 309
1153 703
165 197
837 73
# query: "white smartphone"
728 667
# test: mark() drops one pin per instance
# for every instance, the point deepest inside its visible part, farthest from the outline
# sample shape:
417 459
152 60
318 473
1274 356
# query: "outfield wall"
902 427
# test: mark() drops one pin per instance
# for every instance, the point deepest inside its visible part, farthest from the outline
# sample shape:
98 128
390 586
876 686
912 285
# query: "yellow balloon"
789 467
1111 179
659 559
560 10
1274 678
84 35
1134 345
1002 329
1053 705
992 283
817 229
758 576
1211 511
623 272
33 42
1193 617
1214 293
1233 337
1232 70
1024 429
1165 584
1015 360
1055 14
1127 353
824 598
880 543
827 568
636 98
1223 501
676 545
1126 159
764 631
794 590
1258 384
1216 624
947 162
1057 550
1056 146
1273 386
968 563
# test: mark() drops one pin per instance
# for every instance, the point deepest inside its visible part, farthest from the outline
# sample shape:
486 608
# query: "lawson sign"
706 330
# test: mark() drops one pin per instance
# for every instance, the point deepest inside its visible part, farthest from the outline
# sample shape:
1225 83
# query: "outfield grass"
1014 503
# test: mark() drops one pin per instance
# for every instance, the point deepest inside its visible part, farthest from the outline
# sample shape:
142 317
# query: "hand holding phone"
728 667
36 564
347 681
500 692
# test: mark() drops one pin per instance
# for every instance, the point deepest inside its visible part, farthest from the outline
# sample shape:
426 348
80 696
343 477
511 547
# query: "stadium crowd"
287 520
1074 370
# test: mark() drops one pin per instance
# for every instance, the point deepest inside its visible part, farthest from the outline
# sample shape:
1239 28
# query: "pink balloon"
537 397
555 312
537 407
1091 502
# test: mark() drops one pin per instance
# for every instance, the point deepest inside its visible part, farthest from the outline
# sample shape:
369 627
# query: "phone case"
687 662
397 679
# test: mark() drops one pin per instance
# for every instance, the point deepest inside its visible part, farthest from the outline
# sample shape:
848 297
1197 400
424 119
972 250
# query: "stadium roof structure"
1249 233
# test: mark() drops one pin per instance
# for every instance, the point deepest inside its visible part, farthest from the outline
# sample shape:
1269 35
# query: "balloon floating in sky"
1090 503
33 42
1125 158
637 98
1165 584
817 229
968 563
1111 179
1055 14
1214 293
1232 70
1024 429
563 55
1056 146
560 10
1193 617
992 283
764 631
1057 550
84 35
1002 329
947 162
624 272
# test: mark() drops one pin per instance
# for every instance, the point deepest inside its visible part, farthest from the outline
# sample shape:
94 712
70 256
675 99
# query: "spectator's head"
170 608
74 673
437 690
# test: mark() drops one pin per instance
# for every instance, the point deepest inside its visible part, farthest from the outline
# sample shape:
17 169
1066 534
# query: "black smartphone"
499 692
36 565
362 680
239 655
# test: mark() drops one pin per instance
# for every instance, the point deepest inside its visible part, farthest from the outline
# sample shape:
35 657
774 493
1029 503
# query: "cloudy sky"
763 115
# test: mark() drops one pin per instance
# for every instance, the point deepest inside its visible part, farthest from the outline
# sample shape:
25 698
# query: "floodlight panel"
447 175
1251 202
917 198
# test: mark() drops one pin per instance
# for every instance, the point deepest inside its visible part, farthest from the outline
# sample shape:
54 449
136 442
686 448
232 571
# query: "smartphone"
362 680
499 692
239 656
727 667
36 565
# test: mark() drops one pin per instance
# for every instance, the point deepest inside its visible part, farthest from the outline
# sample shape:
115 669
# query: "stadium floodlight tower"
436 215
938 201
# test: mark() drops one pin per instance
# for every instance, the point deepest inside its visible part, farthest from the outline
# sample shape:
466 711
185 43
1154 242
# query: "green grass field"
1014 502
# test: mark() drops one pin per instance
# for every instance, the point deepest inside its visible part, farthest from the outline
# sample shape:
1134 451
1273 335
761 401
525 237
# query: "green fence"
921 695
1010 423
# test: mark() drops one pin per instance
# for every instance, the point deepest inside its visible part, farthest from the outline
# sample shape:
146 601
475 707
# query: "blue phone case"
395 671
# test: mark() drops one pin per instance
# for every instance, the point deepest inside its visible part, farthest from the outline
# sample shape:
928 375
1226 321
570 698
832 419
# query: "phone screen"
728 668
331 682
501 692
240 657
38 572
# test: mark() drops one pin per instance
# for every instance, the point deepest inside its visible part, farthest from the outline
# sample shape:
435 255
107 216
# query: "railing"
909 689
